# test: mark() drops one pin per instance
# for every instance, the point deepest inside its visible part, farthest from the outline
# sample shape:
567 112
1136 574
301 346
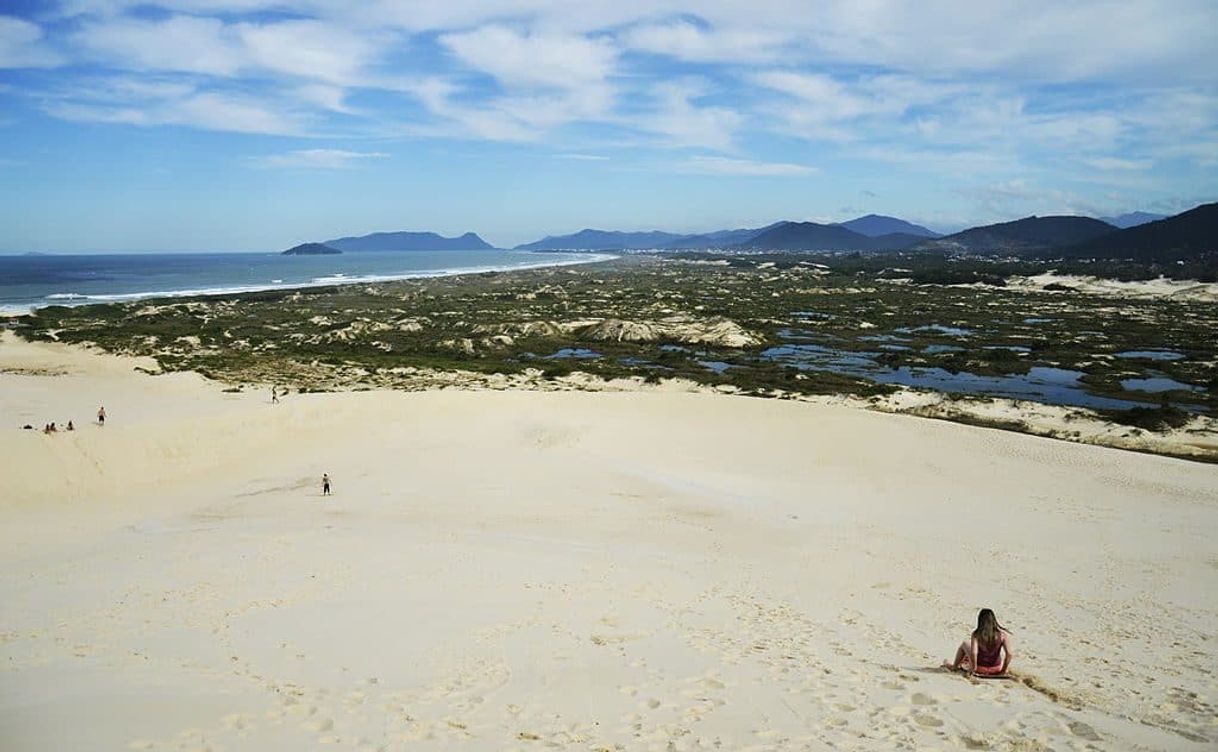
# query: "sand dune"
520 570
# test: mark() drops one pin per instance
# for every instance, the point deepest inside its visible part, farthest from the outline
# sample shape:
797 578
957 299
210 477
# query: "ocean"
35 281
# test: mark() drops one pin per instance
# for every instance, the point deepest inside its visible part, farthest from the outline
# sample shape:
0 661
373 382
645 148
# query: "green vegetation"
709 318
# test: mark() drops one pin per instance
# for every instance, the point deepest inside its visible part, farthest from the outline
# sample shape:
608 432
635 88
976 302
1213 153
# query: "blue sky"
257 124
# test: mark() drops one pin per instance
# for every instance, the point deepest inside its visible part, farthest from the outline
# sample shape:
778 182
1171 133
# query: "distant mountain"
875 225
1187 235
311 249
720 238
809 236
409 241
602 240
1023 236
1133 219
896 241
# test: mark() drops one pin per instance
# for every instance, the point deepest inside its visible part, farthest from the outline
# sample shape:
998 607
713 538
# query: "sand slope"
514 570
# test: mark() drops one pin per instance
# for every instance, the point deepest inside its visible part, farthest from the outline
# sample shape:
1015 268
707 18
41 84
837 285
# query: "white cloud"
217 111
181 106
726 166
822 107
181 44
584 157
318 159
309 49
1115 163
684 123
537 59
687 41
1020 197
985 101
22 45
331 98
1026 40
461 120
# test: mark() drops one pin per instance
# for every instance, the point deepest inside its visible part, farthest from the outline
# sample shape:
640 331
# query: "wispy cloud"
23 45
317 159
683 122
697 43
169 101
539 59
1085 92
1115 163
727 166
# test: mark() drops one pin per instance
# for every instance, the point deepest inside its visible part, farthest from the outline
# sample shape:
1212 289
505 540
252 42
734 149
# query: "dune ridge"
631 570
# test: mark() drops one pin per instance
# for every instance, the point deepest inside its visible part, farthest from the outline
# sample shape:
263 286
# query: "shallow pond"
955 331
578 353
718 366
1056 386
1151 355
1159 384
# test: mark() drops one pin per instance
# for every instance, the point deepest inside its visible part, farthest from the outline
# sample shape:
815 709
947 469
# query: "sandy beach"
648 570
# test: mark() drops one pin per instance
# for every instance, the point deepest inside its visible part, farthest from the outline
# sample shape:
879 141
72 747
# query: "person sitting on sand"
70 426
987 651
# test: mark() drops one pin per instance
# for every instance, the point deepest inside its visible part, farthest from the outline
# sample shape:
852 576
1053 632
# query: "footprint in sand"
929 721
1084 731
237 721
319 725
974 742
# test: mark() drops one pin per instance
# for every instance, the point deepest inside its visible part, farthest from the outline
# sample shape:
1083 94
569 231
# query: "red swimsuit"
990 661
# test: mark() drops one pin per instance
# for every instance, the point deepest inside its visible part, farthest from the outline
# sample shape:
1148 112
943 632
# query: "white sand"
1160 287
515 570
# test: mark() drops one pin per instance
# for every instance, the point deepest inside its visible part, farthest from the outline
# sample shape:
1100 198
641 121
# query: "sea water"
36 281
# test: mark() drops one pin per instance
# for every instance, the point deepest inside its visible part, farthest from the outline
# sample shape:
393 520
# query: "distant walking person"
101 415
274 395
325 484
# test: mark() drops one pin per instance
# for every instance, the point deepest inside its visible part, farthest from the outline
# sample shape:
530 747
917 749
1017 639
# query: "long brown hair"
988 628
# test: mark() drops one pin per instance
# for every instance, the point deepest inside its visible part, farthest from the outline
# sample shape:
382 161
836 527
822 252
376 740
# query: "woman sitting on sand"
987 651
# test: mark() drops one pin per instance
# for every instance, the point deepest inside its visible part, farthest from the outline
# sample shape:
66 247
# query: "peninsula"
311 249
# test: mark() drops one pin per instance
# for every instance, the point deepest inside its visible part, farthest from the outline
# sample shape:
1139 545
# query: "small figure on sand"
70 426
325 484
101 415
274 395
987 651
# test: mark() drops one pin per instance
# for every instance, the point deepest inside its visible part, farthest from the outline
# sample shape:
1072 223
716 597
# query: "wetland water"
1046 384
800 329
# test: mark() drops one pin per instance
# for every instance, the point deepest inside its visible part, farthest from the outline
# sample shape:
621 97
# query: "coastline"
648 568
74 299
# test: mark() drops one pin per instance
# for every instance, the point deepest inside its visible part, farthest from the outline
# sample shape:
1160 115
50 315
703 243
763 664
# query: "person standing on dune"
325 484
101 415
